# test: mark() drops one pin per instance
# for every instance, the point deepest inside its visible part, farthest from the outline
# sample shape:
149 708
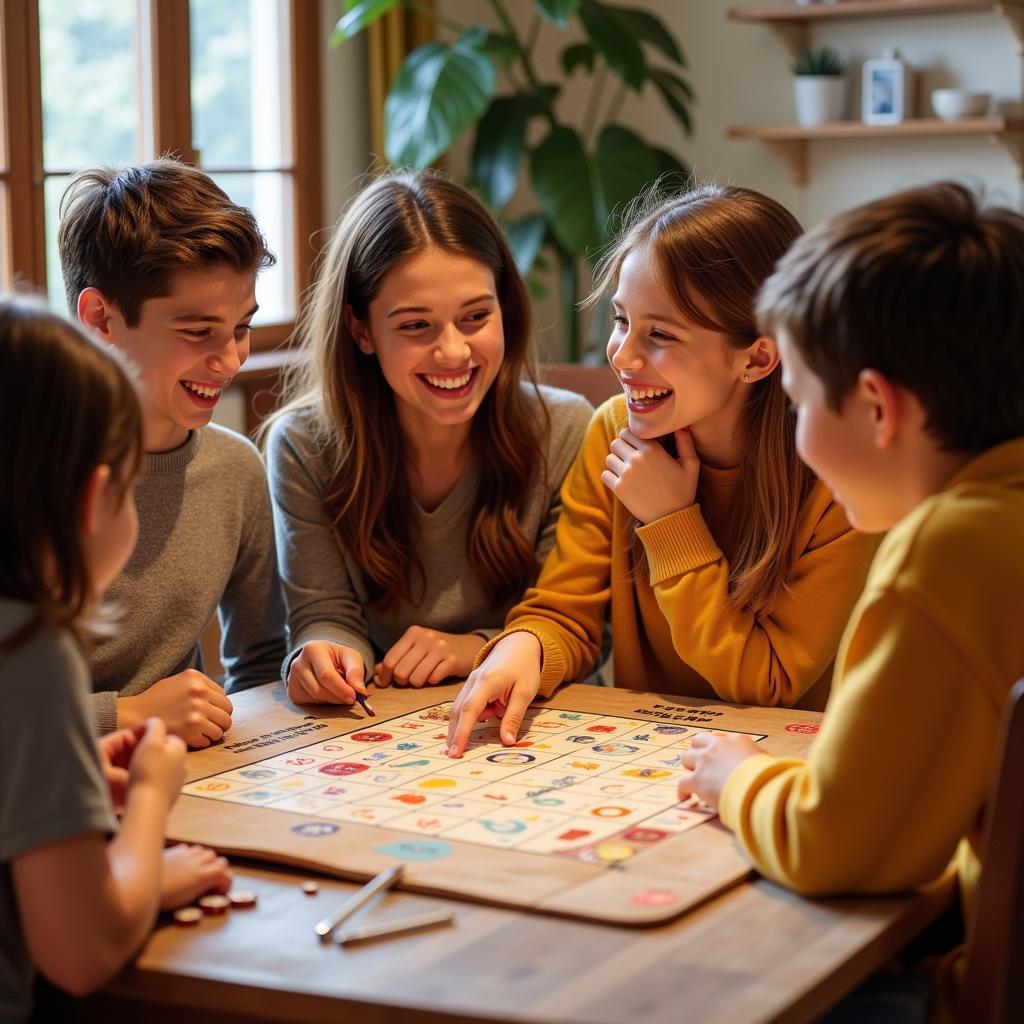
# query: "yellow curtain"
391 38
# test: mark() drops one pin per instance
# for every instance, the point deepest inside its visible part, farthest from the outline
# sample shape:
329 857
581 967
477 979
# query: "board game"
580 817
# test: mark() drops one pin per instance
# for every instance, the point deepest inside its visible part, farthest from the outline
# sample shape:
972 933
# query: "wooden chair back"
994 982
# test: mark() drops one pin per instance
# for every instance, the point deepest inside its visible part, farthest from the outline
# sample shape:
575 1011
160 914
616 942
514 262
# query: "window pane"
52 191
240 82
269 196
90 82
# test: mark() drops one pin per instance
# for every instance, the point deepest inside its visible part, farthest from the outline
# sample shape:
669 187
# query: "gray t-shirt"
52 786
324 586
206 546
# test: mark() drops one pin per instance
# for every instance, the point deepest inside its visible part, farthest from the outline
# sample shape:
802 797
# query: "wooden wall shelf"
790 140
792 22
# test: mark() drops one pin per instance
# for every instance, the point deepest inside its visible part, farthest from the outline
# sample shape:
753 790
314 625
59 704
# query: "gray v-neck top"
323 584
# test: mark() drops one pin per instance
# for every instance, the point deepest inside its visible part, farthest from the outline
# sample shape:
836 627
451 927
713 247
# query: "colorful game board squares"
255 775
569 835
302 803
296 761
344 791
363 812
425 822
505 827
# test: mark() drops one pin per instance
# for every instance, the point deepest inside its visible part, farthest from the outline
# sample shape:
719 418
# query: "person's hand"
647 480
157 762
502 687
191 705
710 761
326 673
188 872
115 751
425 657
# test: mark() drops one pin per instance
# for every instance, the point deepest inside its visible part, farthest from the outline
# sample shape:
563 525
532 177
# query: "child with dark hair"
161 264
74 903
901 327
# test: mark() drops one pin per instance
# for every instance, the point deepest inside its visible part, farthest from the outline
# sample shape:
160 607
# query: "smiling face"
187 347
840 446
675 374
435 327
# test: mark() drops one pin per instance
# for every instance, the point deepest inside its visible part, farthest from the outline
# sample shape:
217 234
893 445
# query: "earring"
746 376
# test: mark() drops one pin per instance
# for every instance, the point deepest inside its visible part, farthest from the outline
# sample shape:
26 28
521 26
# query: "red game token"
188 917
214 904
242 899
310 888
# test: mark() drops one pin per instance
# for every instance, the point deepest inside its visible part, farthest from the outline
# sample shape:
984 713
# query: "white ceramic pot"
819 98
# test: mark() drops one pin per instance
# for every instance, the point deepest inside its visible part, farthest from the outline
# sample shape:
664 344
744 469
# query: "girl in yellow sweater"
729 569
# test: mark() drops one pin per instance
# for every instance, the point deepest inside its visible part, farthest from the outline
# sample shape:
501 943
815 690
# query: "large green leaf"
539 100
672 173
525 237
612 38
625 165
577 54
562 180
501 47
558 12
677 94
438 93
650 29
498 150
359 16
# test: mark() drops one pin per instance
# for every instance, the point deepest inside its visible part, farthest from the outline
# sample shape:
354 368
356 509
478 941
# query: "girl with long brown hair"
729 569
416 463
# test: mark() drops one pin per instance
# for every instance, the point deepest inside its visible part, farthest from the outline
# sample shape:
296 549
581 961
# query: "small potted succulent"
820 87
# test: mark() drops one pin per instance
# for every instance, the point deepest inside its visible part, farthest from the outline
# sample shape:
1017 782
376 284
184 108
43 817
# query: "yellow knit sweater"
896 781
677 632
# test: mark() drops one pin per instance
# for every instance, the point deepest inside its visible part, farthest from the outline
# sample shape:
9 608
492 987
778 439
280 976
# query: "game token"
614 852
242 899
188 917
214 904
310 888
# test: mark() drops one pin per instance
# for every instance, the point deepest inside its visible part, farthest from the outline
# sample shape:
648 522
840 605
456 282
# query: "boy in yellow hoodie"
901 330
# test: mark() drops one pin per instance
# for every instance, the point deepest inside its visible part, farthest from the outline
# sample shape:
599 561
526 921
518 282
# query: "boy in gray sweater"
160 263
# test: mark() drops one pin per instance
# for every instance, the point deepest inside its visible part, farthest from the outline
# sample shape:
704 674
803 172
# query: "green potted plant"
819 86
485 80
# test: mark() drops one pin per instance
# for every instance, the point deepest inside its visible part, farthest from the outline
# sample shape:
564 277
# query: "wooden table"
754 953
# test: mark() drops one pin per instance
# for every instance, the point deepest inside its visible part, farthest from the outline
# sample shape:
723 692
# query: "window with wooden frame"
230 85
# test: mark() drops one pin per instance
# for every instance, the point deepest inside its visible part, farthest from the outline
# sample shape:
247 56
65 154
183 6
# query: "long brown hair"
713 247
70 408
352 407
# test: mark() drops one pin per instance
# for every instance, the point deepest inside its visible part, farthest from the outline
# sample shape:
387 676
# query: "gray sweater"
205 547
323 584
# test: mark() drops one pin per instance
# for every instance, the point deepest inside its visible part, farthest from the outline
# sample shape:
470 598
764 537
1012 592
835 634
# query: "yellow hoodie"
677 632
896 781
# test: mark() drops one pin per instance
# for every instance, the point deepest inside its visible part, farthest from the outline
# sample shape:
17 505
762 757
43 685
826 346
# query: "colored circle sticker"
609 812
601 728
807 727
615 749
437 784
612 853
416 849
340 769
257 773
371 737
670 730
655 897
511 757
645 835
315 829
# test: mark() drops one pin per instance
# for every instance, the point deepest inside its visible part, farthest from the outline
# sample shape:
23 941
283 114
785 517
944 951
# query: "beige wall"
741 74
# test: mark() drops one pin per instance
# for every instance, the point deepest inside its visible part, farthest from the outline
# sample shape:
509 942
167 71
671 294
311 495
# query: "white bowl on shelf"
956 104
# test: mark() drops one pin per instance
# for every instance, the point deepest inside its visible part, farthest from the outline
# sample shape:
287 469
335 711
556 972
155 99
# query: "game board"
580 817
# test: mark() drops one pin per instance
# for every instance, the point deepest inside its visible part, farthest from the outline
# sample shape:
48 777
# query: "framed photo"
884 92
